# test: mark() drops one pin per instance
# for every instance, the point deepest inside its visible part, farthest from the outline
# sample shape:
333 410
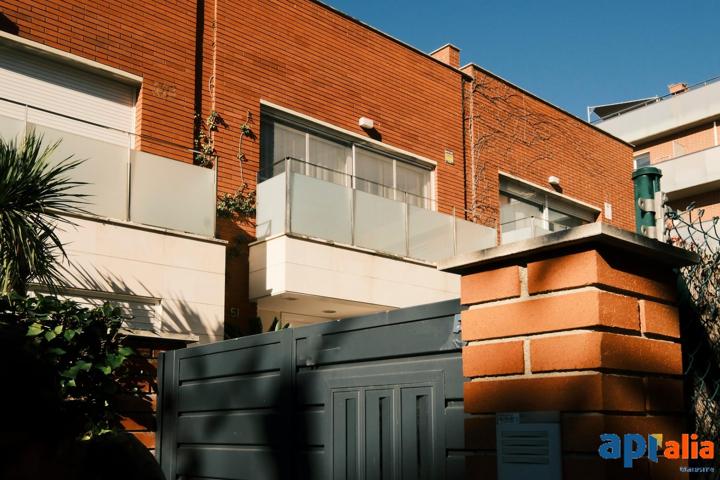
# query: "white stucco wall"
319 275
183 275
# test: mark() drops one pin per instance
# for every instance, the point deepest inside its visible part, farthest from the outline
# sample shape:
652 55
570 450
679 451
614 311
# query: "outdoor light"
554 181
366 123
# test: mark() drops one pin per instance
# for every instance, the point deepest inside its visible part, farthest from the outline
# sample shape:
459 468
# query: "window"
344 162
642 160
527 211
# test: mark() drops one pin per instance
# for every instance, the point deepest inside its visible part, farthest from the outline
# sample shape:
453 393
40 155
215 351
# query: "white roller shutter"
34 79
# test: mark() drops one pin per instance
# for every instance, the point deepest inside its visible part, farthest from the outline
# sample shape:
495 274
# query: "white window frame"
552 198
429 202
285 116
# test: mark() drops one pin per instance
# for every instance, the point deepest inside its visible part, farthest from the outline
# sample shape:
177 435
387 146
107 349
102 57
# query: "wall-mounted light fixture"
366 123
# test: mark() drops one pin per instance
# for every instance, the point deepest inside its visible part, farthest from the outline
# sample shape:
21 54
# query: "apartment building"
371 160
678 133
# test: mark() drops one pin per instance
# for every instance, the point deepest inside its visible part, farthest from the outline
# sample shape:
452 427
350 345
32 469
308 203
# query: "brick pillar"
581 323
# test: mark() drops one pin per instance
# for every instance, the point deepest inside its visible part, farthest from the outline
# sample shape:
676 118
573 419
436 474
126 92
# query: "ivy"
238 206
205 154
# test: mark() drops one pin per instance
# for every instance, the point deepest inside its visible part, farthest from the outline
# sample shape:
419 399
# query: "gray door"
387 427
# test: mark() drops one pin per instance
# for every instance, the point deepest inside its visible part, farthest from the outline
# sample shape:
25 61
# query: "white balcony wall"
472 237
667 115
104 169
284 267
691 174
431 235
181 278
338 214
320 209
164 193
380 224
171 194
270 215
386 262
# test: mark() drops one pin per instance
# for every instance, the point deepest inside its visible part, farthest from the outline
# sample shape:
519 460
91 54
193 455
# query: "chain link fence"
700 326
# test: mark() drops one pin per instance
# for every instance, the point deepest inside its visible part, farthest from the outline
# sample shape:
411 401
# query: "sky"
570 53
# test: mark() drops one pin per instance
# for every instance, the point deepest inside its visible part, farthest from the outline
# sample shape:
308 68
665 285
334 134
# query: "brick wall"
309 58
516 133
589 331
153 39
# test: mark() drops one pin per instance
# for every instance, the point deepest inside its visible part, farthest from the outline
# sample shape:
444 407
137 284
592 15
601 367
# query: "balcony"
147 243
666 114
354 252
691 174
122 183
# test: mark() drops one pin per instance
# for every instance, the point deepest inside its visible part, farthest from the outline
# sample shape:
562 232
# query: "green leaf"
114 360
34 330
69 334
57 351
58 330
104 369
125 351
49 335
83 365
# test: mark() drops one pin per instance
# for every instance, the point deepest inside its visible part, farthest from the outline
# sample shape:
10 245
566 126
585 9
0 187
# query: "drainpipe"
464 149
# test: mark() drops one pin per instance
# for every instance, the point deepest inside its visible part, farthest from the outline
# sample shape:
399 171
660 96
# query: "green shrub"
83 352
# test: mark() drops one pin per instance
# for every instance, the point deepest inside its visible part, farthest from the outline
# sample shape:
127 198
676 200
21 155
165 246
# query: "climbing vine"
205 154
237 206
241 204
505 130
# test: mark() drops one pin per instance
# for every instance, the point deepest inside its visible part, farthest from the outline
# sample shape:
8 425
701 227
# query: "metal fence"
700 321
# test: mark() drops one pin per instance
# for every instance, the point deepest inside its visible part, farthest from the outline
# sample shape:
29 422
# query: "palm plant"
35 193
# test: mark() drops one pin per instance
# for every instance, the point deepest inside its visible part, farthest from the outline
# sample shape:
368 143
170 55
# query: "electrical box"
528 446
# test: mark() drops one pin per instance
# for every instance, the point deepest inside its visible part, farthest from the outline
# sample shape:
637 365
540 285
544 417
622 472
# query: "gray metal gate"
375 397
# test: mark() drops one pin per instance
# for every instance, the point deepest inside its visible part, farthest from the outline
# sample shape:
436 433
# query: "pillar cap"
647 171
590 235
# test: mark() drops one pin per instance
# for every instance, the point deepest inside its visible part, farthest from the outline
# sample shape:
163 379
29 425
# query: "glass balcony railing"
528 227
122 183
329 209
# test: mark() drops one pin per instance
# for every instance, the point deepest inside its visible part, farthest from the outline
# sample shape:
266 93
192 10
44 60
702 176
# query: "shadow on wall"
139 413
240 312
276 443
177 315
7 25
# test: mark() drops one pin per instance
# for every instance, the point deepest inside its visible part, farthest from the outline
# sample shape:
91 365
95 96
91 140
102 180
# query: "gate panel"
363 398
225 408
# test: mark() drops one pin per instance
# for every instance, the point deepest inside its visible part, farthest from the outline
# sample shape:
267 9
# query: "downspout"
473 179
464 150
198 80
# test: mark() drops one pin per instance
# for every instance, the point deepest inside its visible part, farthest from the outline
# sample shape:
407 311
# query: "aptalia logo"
633 446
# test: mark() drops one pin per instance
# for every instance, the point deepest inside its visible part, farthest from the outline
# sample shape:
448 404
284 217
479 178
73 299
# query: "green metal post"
647 183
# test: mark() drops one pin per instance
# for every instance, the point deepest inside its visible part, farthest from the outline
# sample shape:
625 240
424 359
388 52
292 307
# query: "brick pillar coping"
599 234
581 323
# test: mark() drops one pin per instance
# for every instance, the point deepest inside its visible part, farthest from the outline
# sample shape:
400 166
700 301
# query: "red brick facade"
304 56
514 132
